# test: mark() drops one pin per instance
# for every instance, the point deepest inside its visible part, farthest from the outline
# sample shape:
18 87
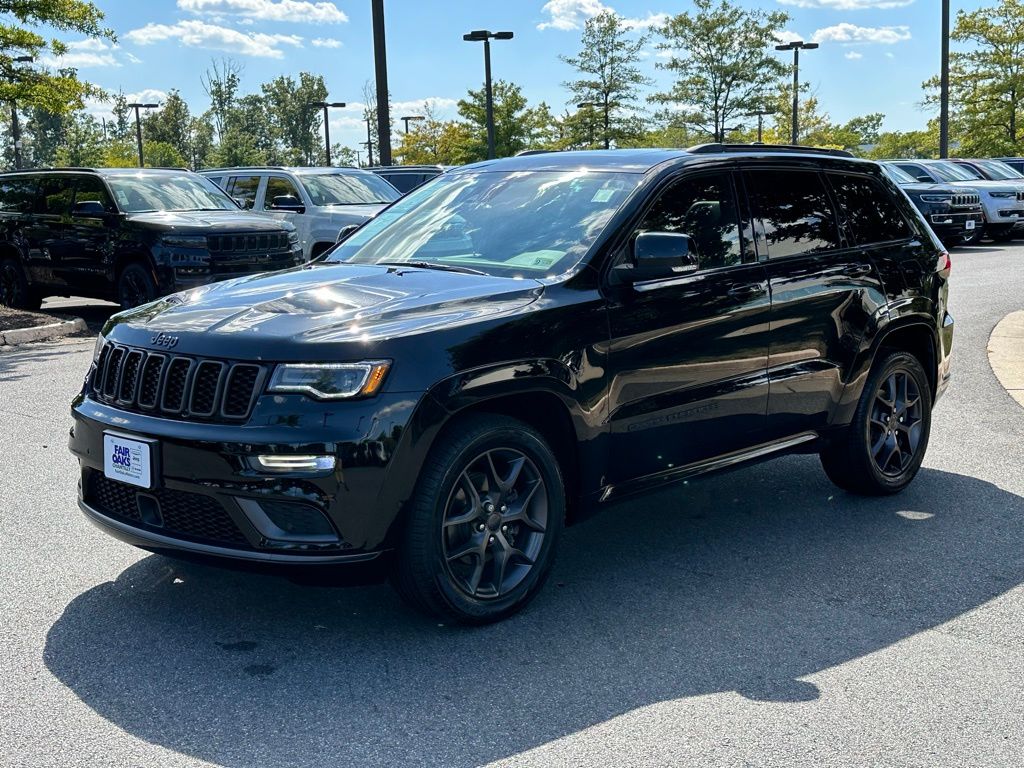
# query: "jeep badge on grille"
163 340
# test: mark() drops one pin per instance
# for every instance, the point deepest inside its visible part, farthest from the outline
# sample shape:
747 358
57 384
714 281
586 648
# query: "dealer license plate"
127 461
969 224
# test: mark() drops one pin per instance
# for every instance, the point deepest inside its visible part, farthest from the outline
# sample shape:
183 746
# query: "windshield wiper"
432 265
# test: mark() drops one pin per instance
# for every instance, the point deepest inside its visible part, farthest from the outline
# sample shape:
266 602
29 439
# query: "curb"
1006 354
42 332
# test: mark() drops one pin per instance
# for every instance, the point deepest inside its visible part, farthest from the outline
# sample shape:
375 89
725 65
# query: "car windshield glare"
898 175
953 172
1000 171
348 189
185 192
506 224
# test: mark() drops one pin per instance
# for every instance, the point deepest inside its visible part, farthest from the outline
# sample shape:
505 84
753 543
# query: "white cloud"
101 109
325 42
848 5
853 55
81 59
133 58
787 36
198 34
271 10
571 14
849 34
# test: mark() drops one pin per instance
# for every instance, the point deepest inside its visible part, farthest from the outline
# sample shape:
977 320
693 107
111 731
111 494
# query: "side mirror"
287 203
345 232
242 203
89 209
658 255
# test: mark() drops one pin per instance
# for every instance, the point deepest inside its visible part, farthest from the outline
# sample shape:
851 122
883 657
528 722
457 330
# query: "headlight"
1003 195
183 241
100 341
937 198
330 381
293 237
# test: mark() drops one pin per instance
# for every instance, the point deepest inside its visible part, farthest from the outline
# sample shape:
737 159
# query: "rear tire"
483 525
15 291
135 286
880 452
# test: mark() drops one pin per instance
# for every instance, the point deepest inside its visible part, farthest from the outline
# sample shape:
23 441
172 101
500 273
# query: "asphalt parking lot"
757 618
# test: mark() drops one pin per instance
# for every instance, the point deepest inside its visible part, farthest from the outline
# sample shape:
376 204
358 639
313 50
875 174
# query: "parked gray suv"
318 201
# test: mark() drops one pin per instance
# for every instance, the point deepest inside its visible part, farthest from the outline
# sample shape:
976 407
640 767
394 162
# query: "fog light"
289 522
284 463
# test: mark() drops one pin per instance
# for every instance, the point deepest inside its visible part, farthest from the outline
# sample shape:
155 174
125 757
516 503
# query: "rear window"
54 195
16 194
795 210
243 189
871 215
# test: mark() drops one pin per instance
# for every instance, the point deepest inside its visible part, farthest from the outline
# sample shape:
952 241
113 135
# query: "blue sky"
874 53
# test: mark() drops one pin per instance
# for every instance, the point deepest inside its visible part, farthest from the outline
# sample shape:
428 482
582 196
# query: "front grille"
1020 196
176 386
181 514
966 199
248 242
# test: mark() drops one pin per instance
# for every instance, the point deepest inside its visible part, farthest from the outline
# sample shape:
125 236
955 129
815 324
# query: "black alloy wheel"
14 289
135 286
478 538
494 523
881 451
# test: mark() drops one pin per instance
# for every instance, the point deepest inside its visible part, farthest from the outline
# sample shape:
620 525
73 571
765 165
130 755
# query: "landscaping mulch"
19 318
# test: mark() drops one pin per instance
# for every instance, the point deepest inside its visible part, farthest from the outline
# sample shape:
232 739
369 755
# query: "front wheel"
482 528
881 451
14 288
135 286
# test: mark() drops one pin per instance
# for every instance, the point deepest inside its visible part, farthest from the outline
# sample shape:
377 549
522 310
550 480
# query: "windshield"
898 175
165 192
348 189
953 172
1000 171
513 224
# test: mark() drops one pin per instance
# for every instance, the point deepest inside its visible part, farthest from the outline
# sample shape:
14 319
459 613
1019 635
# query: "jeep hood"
206 222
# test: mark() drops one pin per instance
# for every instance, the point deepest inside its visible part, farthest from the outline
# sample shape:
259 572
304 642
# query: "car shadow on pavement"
744 582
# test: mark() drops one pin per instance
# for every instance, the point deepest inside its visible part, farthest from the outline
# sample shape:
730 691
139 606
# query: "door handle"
744 291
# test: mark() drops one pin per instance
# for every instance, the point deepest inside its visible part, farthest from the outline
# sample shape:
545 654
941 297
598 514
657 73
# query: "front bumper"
207 500
954 224
184 269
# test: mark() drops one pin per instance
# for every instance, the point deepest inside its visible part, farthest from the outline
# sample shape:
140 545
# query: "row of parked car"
132 235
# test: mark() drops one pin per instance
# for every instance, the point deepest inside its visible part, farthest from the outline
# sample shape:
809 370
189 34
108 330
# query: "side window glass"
54 195
277 186
868 209
244 188
91 190
703 207
17 194
914 170
795 210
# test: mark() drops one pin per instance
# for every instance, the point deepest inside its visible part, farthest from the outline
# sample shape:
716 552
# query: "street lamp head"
586 104
503 35
22 59
476 36
338 104
318 104
142 106
796 45
412 117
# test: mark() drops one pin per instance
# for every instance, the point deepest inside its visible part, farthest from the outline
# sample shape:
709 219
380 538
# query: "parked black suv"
511 346
954 213
128 235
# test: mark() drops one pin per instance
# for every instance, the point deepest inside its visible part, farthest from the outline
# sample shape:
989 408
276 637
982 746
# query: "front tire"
881 451
482 528
15 291
135 286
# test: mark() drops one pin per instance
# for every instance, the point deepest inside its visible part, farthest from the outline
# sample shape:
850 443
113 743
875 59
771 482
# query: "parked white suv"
318 201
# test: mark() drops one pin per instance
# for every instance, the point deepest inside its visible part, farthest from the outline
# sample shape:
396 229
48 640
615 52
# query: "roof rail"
245 168
709 149
46 169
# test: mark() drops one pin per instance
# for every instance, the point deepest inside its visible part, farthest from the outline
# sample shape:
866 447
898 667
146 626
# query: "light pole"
138 127
944 85
760 122
589 106
15 130
324 105
485 36
368 143
410 118
796 46
380 59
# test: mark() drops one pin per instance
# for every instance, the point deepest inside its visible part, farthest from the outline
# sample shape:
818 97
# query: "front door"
87 266
46 229
688 354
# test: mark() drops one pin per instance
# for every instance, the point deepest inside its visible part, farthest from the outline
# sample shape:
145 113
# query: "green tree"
120 153
58 91
120 128
161 154
295 126
82 141
722 59
516 125
221 82
171 124
610 77
986 80
908 144
42 134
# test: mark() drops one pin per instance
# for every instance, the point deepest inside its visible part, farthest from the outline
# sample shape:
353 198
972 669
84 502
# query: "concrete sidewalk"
1006 354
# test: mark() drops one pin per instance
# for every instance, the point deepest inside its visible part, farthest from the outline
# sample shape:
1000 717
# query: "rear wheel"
483 525
880 452
15 291
1000 234
135 286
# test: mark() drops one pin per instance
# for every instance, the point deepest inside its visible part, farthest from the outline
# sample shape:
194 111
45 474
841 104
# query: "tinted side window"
244 188
868 209
796 211
54 195
91 189
277 186
703 207
16 194
916 171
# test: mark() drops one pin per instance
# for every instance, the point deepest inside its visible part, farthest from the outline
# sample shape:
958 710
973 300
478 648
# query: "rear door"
46 230
688 353
826 294
244 188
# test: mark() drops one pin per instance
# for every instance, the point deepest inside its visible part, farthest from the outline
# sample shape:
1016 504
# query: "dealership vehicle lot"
757 617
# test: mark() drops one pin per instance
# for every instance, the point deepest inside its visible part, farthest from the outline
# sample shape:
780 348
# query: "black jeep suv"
128 235
954 213
509 347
